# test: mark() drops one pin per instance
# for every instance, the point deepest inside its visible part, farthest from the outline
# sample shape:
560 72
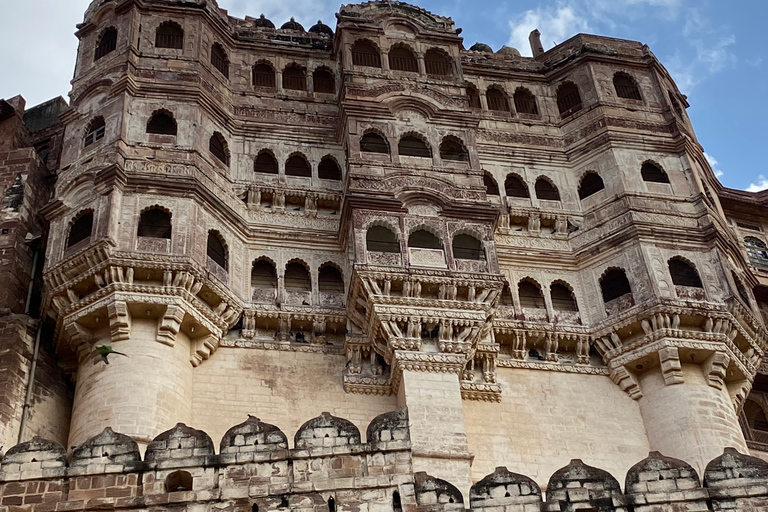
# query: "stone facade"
491 264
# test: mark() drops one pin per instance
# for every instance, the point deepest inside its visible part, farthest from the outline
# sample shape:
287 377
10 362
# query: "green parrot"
105 350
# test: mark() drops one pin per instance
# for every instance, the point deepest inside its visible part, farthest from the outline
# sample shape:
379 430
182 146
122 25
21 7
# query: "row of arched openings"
296 276
294 77
614 283
531 296
402 58
383 239
411 144
168 35
297 165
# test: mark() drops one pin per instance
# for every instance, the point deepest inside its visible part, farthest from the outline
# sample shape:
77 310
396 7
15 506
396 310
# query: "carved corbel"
119 320
249 325
202 348
170 324
79 339
627 381
671 370
714 369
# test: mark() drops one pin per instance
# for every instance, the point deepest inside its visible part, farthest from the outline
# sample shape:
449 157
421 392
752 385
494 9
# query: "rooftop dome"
321 28
480 47
508 50
292 25
262 21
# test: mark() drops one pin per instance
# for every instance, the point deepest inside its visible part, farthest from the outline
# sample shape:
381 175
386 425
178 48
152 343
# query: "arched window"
506 296
162 123
381 239
411 145
323 81
95 131
372 142
155 223
294 78
491 188
178 481
263 75
169 35
265 162
496 99
365 53
614 284
568 99
525 102
467 247
423 239
330 279
263 275
107 43
401 58
625 86
329 169
590 184
437 63
451 148
216 250
474 97
675 103
684 274
755 416
562 298
297 165
217 145
255 508
757 251
530 295
219 59
297 277
81 229
653 173
546 190
514 187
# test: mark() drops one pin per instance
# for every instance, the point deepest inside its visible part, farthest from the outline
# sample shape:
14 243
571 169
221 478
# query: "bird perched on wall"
105 350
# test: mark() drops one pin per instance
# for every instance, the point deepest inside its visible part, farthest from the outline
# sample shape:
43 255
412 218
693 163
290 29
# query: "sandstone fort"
365 267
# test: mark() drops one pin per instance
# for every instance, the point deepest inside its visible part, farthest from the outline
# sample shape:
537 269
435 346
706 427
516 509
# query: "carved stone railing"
535 314
298 297
153 245
264 295
331 299
690 293
471 265
619 304
216 270
427 257
385 258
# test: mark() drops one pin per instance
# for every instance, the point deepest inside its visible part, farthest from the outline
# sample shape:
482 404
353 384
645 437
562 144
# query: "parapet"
108 452
502 488
658 480
180 446
37 458
326 431
436 494
579 483
250 440
389 429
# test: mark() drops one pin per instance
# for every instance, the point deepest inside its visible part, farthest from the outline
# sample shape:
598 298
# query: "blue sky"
711 47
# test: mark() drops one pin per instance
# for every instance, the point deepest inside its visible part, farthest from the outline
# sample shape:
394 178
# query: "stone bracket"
671 370
119 320
714 369
201 349
170 324
627 381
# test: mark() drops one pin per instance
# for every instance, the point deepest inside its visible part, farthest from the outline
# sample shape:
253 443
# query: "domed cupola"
292 25
480 47
321 28
263 22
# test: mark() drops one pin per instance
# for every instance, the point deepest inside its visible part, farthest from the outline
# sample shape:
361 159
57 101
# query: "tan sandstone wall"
546 418
280 387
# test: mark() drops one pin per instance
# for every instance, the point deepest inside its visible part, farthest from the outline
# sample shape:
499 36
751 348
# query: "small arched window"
411 145
217 145
653 173
178 481
491 188
467 247
451 148
169 35
216 250
381 239
329 169
423 239
546 190
81 229
684 274
297 165
530 295
474 97
365 53
755 416
525 102
294 78
297 277
401 58
397 505
155 223
568 99
219 59
331 504
263 75
372 142
614 284
265 162
263 275
95 131
323 81
590 184
514 187
330 279
162 123
107 43
625 86
437 63
506 296
562 298
497 100
757 251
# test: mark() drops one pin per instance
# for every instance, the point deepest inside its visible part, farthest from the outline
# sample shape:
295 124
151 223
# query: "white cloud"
555 26
714 164
762 184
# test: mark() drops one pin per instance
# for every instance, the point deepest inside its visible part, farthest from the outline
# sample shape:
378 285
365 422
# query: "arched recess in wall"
81 228
525 102
757 251
297 276
562 297
653 173
265 162
614 284
491 187
402 58
298 165
423 239
626 86
219 59
294 78
467 247
453 149
365 53
437 63
323 80
496 99
107 43
755 416
219 148
169 35
94 131
373 142
591 183
381 239
530 294
162 123
684 273
474 96
330 279
568 99
514 186
179 481
329 169
263 75
155 222
216 249
412 144
264 274
546 190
